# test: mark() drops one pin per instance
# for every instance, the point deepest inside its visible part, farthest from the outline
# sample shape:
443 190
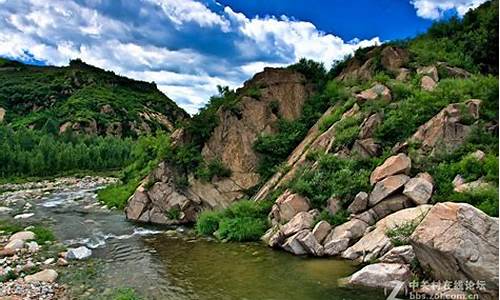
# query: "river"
167 263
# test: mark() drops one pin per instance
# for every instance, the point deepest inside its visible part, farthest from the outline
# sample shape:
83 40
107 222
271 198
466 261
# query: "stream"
169 263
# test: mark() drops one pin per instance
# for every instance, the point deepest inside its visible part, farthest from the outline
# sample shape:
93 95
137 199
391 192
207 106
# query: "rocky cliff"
269 96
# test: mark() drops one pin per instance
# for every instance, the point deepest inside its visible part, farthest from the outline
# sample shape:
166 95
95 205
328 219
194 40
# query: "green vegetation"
35 153
333 177
125 294
146 153
81 94
400 234
244 220
338 218
42 234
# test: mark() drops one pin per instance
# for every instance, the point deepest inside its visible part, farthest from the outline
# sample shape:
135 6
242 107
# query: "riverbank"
143 262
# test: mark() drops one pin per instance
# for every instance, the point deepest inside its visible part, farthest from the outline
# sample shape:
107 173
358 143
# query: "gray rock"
302 220
419 190
387 187
78 253
321 230
359 204
381 275
47 275
399 255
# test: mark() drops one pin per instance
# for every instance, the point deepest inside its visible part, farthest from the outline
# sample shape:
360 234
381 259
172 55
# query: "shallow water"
161 264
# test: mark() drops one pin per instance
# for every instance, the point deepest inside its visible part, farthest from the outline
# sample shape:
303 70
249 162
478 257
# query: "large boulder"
419 190
386 187
303 242
427 83
394 58
375 92
430 71
359 204
367 128
342 236
457 241
375 243
381 275
384 208
444 132
321 230
399 255
302 220
397 164
287 206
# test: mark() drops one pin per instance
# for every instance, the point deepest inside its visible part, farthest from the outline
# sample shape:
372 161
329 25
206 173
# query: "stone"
450 71
2 114
456 241
426 176
49 261
33 247
287 206
399 255
458 181
430 71
333 205
419 190
444 132
366 148
24 216
473 185
23 236
359 204
397 164
273 237
7 252
47 275
293 245
303 242
375 92
4 209
390 205
403 74
387 187
79 253
479 155
302 220
393 58
375 243
427 83
62 262
367 128
15 245
343 235
381 275
321 230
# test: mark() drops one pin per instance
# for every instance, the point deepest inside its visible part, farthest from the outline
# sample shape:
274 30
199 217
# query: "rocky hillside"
392 156
82 98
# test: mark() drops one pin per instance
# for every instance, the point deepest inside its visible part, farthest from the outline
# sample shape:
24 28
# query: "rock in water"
381 276
48 275
78 253
457 241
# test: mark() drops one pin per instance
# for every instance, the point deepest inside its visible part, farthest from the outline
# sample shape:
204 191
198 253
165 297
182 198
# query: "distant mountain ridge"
82 98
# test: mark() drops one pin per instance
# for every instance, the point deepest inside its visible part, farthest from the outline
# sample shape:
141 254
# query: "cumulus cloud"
435 9
187 47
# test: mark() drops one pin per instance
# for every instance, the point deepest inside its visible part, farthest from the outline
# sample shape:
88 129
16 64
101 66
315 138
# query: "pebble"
24 216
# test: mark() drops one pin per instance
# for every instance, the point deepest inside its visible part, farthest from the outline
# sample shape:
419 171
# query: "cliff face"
270 95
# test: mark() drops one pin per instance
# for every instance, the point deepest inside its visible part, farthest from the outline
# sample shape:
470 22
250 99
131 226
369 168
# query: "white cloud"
167 42
434 9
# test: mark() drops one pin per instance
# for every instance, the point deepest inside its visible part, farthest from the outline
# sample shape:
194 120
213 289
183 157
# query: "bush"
400 234
214 168
241 229
243 220
208 222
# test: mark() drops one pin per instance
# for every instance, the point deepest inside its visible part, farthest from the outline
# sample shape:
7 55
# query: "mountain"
82 98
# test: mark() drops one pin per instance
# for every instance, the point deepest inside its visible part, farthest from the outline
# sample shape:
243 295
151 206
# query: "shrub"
241 229
208 222
400 234
213 168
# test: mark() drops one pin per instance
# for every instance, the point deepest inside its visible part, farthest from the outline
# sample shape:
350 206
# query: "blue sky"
188 47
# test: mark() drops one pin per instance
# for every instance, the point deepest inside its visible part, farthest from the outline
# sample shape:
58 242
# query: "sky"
188 47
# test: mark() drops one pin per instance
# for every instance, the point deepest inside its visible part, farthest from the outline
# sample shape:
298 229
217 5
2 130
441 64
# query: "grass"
242 221
400 234
125 294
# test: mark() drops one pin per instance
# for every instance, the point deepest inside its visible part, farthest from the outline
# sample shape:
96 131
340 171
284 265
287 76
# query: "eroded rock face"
397 164
444 132
456 241
232 143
